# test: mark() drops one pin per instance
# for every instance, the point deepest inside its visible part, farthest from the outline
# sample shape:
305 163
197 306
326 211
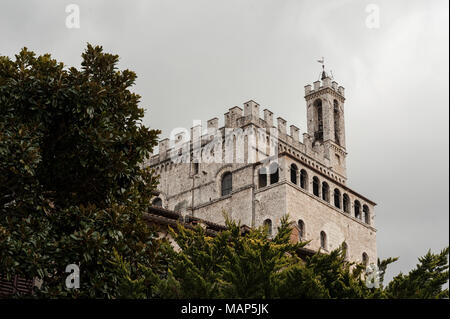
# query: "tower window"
262 177
319 118
316 185
274 173
268 226
337 198
294 171
323 240
346 203
337 131
301 229
325 192
303 179
227 183
357 209
365 259
366 214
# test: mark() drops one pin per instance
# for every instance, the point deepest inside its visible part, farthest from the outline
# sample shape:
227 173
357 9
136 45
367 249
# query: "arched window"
366 214
316 185
346 203
274 173
301 228
294 172
262 177
318 135
303 179
227 183
357 209
268 226
323 240
336 123
337 198
157 202
365 259
345 250
325 192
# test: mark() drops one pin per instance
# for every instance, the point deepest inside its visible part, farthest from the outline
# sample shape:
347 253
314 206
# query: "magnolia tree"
72 189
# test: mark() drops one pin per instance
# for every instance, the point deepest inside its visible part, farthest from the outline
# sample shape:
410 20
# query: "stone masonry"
304 179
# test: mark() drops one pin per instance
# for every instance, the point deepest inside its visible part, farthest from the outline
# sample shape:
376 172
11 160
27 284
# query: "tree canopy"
249 265
72 185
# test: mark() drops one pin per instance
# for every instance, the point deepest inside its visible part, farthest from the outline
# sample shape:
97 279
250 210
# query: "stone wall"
195 189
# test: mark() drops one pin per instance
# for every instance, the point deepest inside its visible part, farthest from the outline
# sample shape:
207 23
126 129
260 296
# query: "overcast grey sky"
197 58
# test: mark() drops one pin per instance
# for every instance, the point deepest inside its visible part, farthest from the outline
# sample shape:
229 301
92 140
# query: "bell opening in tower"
318 135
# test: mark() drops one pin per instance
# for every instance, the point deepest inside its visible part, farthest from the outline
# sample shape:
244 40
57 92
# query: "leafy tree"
236 265
194 271
72 185
425 281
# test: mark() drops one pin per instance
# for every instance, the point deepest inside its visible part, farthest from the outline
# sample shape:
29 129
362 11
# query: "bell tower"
325 120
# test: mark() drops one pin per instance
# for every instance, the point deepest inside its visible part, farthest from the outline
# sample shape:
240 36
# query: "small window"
325 192
318 134
274 173
227 184
157 202
316 185
337 198
303 179
294 172
365 259
357 209
301 229
337 120
323 240
366 214
346 203
262 177
268 226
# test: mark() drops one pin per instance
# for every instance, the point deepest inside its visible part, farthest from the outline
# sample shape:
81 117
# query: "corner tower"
325 121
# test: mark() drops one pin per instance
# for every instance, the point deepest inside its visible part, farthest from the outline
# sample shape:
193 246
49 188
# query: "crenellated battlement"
247 118
237 117
324 84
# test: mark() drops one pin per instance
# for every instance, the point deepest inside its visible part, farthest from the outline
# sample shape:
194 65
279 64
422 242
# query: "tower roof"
324 74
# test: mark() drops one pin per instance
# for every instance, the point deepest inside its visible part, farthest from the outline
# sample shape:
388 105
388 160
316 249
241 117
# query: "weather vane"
323 73
322 61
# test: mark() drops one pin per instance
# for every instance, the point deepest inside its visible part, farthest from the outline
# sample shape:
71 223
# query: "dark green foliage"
425 281
229 265
72 189
233 265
